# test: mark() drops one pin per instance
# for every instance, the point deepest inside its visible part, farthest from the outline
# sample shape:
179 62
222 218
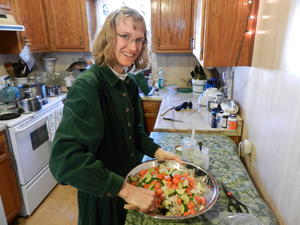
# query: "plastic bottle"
214 120
150 81
232 122
161 79
223 121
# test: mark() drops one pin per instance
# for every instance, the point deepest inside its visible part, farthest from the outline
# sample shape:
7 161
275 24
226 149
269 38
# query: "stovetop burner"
9 116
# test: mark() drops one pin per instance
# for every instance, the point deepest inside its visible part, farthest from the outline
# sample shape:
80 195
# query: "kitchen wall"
268 94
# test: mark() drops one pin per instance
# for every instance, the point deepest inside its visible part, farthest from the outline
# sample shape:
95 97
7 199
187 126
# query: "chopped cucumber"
182 209
133 178
166 203
169 191
168 214
147 178
151 187
185 183
180 191
180 186
185 199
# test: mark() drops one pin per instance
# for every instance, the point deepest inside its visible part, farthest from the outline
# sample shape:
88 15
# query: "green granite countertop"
226 167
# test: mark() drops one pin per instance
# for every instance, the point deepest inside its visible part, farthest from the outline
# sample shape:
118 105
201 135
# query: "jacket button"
129 137
129 124
132 155
124 94
127 110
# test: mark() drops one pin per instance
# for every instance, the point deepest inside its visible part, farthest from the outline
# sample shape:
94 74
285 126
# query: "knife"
170 119
164 113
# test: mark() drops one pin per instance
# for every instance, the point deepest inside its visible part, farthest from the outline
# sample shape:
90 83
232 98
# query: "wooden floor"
59 208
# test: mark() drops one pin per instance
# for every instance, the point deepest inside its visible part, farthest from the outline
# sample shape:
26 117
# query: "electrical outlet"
247 147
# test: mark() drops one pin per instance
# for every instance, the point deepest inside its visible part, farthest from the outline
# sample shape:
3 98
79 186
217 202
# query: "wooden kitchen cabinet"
36 33
151 108
172 25
9 190
224 32
5 6
68 26
51 26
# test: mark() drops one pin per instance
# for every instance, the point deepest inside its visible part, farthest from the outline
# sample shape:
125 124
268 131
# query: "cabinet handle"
192 43
11 164
80 39
27 41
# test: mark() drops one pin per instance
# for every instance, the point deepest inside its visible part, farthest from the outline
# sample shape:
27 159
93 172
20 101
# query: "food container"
49 64
211 194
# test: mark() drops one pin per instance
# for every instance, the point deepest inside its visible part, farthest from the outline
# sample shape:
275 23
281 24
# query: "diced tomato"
158 191
191 205
169 184
146 186
174 186
134 183
143 172
186 213
156 168
203 200
167 178
154 172
192 211
157 185
175 181
198 199
179 200
188 190
160 176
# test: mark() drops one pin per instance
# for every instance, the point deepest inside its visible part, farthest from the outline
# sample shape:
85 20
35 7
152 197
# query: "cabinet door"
171 25
67 25
222 38
36 30
8 189
150 109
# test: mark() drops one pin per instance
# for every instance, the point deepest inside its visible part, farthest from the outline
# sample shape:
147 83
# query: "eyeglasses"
126 38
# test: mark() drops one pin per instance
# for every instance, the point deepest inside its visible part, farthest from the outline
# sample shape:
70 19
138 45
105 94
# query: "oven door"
31 146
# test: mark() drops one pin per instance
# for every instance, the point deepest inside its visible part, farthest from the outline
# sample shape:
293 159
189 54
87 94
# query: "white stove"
31 137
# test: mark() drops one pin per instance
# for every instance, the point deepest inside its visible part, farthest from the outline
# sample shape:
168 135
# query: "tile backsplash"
177 67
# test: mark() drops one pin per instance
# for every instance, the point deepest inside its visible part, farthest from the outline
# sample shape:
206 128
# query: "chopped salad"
178 192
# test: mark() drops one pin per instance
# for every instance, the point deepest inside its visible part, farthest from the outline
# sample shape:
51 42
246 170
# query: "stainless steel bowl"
211 195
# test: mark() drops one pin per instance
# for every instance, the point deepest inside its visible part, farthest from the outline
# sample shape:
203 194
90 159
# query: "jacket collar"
108 75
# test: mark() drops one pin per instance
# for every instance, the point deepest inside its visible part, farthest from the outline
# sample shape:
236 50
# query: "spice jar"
232 122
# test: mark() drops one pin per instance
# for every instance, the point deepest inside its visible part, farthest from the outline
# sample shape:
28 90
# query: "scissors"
234 204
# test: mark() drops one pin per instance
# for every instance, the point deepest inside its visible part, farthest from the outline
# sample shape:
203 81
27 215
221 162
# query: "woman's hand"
140 199
162 154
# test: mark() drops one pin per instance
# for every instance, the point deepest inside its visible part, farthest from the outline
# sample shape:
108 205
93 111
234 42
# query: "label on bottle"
232 124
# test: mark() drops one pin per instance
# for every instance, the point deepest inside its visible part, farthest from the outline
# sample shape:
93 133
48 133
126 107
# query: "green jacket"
100 139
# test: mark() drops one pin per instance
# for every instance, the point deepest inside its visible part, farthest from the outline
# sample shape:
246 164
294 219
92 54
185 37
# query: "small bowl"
178 148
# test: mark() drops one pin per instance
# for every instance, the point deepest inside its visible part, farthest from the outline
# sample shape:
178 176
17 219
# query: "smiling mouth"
129 55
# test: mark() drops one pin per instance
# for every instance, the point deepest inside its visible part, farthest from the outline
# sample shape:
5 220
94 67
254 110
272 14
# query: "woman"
101 136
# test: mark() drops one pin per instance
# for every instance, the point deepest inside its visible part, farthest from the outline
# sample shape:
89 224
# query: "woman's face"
130 40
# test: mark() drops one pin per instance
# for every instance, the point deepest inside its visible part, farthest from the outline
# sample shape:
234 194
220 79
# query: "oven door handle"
24 128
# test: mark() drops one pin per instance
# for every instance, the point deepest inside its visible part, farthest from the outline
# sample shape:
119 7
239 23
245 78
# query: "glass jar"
189 145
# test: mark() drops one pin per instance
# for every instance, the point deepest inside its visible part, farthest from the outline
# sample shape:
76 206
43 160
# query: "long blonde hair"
105 42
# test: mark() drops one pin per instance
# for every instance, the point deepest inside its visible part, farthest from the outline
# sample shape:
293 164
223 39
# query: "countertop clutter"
227 168
194 117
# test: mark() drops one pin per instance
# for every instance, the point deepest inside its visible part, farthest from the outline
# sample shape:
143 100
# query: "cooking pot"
30 104
53 90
